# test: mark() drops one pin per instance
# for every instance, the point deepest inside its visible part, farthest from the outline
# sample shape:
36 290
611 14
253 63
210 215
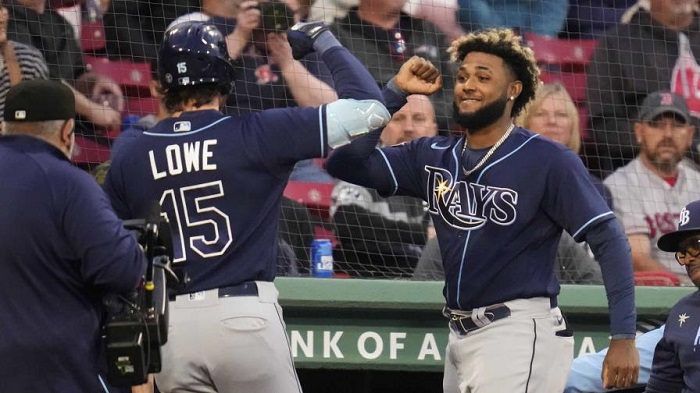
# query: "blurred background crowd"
599 61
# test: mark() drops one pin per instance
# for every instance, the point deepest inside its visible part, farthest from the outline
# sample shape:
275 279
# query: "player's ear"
67 129
514 89
67 137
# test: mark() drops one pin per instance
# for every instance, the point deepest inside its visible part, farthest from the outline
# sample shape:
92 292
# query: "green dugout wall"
397 325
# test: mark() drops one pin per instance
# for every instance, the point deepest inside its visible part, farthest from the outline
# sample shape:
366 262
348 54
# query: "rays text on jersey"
185 157
469 206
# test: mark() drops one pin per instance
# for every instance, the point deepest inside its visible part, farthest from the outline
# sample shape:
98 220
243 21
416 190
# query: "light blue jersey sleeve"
586 370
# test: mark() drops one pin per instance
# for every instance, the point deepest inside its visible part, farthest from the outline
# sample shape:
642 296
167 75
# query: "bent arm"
351 78
361 162
306 88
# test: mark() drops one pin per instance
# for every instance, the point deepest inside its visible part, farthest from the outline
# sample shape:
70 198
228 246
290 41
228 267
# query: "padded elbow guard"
348 118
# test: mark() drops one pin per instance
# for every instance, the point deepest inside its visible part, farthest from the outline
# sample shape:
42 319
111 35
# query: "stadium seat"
88 152
141 106
315 196
567 55
575 83
92 36
659 278
134 78
564 61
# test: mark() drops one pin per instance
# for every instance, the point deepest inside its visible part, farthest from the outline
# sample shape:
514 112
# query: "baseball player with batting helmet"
220 180
499 197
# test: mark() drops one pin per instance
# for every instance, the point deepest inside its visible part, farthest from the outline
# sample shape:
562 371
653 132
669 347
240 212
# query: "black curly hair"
505 44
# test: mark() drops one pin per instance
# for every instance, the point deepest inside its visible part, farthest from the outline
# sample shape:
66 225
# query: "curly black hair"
505 44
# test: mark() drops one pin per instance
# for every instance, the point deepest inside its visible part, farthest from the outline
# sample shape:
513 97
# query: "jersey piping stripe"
532 358
590 222
454 154
190 132
391 170
466 242
461 267
289 350
455 175
320 128
504 157
102 382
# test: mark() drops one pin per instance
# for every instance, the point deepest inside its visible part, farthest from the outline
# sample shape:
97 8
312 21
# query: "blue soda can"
322 258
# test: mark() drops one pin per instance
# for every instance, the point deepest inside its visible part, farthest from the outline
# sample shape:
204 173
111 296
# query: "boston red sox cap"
39 100
688 222
660 102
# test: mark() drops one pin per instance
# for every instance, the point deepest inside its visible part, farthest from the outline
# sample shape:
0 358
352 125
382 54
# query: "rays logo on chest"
469 206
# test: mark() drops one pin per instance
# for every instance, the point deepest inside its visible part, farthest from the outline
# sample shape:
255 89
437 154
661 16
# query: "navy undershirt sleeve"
394 97
351 78
612 251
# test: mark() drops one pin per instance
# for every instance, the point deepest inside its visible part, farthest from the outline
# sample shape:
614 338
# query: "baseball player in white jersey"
649 192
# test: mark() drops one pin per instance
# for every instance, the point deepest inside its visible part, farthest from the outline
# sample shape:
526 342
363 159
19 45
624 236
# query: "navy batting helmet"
194 53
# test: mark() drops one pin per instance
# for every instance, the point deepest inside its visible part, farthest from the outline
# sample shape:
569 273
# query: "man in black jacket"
656 50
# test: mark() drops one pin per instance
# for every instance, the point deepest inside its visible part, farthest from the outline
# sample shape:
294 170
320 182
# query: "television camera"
137 324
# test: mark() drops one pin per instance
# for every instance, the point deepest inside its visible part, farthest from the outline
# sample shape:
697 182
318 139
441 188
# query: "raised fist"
418 76
302 35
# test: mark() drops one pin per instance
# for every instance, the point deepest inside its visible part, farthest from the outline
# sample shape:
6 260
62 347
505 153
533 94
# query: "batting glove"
305 37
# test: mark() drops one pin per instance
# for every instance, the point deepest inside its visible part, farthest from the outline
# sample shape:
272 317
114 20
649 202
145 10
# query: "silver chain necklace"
488 154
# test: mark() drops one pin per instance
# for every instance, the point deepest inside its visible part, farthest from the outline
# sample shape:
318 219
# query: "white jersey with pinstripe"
647 204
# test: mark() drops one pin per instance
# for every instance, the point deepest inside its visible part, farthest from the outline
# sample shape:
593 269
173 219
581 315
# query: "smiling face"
483 87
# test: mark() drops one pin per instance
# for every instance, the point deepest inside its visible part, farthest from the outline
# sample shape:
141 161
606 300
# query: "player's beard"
481 118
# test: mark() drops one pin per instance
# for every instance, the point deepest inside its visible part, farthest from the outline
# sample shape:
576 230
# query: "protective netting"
603 60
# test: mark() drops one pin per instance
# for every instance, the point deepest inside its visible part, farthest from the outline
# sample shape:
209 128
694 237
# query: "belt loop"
479 317
267 291
465 322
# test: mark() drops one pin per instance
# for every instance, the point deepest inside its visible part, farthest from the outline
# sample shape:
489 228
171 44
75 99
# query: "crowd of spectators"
643 47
